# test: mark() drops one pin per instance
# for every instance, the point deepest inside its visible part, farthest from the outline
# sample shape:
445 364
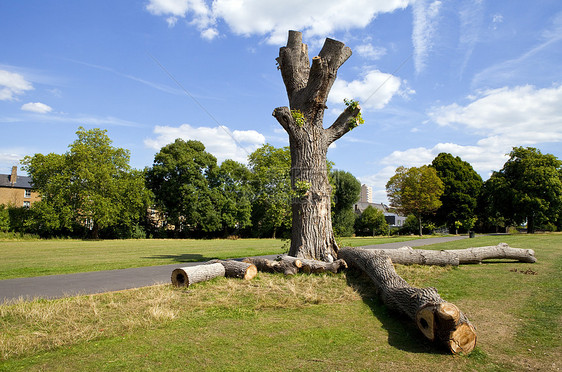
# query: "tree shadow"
187 257
402 332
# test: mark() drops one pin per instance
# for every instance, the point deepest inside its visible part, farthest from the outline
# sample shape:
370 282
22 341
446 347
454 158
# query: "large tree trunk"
455 257
307 89
436 318
315 266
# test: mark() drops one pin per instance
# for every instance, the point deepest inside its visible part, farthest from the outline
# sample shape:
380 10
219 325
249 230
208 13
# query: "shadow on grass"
402 332
188 257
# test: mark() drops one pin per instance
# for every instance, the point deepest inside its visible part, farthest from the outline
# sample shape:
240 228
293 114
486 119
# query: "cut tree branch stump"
237 269
437 319
185 276
315 266
454 257
270 266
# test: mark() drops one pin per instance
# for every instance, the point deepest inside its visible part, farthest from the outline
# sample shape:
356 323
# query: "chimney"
14 175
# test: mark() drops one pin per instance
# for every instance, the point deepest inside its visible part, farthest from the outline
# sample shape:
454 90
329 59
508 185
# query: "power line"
196 101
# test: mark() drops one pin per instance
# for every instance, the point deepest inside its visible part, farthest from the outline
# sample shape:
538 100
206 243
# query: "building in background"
17 191
366 199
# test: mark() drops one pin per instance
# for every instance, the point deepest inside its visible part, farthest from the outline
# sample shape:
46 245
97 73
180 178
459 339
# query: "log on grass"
500 251
315 266
185 276
270 266
237 269
437 319
454 257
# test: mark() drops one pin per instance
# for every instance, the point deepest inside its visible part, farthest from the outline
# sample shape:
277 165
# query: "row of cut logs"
437 319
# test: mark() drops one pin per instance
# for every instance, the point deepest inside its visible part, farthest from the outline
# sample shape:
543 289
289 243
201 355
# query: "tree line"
91 191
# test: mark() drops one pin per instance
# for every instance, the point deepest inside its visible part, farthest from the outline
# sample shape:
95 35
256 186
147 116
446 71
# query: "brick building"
16 190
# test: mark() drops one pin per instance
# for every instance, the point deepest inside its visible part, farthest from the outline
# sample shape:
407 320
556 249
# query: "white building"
366 194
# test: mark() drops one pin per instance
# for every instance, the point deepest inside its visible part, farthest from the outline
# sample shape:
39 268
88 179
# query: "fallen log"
237 269
185 276
270 266
315 266
437 319
454 257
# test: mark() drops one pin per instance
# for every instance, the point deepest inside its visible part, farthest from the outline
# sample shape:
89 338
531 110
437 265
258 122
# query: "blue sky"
472 78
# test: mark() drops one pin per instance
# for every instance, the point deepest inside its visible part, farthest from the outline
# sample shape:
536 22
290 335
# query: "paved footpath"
57 286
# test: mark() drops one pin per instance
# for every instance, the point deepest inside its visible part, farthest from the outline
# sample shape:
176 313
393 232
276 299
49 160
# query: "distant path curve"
57 286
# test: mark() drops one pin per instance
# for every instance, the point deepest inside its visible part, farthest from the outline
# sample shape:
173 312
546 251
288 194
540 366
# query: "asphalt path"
57 286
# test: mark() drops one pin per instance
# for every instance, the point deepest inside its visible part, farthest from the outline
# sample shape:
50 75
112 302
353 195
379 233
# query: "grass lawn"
305 322
27 258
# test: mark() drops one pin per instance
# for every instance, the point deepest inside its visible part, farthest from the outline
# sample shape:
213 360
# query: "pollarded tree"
308 86
415 190
462 189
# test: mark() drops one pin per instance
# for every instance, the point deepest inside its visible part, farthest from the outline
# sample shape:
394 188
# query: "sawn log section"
436 318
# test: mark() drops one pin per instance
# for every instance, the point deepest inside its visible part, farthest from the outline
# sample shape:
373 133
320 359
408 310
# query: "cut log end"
462 339
180 278
251 272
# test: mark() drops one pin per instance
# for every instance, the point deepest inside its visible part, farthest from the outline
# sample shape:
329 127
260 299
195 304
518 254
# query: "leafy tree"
232 195
346 193
271 184
372 221
179 179
462 186
416 191
528 188
4 218
90 186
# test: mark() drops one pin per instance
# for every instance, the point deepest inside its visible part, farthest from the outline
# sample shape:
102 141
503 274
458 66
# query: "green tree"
372 221
232 195
346 193
179 179
462 186
92 185
416 191
4 218
528 188
271 184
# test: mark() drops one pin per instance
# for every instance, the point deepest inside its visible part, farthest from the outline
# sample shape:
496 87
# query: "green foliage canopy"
415 190
91 185
346 193
528 188
462 186
372 221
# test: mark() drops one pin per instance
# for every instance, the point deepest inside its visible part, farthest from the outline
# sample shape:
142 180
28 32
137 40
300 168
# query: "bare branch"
284 117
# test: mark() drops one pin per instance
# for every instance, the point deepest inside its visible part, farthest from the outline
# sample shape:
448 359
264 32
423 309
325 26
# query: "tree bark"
315 266
307 89
185 276
455 257
436 318
237 269
269 266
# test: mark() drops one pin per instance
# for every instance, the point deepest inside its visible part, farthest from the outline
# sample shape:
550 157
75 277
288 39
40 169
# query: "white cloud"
12 84
370 51
426 14
374 91
36 107
272 18
522 115
219 141
175 9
